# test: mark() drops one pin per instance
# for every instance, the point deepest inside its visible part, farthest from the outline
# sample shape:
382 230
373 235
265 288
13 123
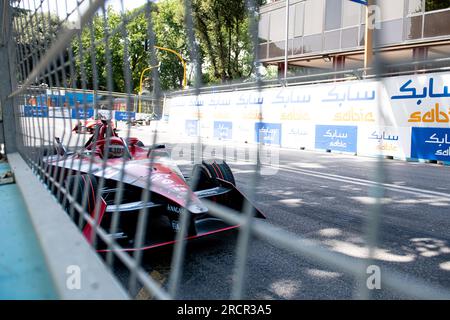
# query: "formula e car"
89 125
146 169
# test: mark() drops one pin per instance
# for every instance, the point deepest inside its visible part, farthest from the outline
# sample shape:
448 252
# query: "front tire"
209 171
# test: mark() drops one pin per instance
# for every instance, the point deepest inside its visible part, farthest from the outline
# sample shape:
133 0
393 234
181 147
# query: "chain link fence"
110 184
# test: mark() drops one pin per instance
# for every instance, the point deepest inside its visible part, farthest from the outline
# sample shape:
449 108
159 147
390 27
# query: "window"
391 10
413 27
297 46
277 25
264 27
262 51
392 32
333 14
332 40
350 14
431 5
350 38
415 6
276 49
312 43
313 17
437 24
299 18
291 21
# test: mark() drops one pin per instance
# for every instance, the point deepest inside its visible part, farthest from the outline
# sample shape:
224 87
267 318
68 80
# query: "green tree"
168 27
34 35
89 53
223 30
221 27
170 33
431 5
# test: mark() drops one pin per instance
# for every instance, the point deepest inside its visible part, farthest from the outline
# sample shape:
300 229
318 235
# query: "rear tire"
209 171
76 186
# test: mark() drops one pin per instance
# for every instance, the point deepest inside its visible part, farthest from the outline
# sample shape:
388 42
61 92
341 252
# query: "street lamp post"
141 82
183 62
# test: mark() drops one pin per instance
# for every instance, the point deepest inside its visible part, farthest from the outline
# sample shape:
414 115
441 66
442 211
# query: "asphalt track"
324 197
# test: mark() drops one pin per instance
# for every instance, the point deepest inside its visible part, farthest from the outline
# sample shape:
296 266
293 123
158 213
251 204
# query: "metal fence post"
6 82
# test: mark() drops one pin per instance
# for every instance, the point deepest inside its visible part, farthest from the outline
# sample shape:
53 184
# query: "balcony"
335 26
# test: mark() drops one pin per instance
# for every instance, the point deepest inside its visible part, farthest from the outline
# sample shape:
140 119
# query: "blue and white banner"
384 140
82 113
124 115
296 134
268 133
35 111
191 128
430 144
59 112
337 138
223 130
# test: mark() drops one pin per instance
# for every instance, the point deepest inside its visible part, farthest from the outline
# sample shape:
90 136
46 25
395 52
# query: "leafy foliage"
431 5
221 27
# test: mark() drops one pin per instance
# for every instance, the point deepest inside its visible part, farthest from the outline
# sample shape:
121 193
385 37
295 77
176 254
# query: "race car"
145 169
88 125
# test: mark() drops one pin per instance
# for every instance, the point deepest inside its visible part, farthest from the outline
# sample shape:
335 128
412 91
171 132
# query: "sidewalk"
23 273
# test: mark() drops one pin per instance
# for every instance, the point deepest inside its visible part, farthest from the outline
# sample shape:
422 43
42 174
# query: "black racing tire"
76 186
209 171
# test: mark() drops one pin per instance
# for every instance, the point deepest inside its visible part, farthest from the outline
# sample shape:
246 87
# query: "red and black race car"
168 193
89 125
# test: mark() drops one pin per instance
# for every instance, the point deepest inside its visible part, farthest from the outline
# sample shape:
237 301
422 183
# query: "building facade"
329 35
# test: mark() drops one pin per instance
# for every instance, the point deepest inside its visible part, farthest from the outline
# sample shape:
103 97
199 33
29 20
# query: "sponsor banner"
268 133
419 101
35 111
206 129
243 131
390 108
78 98
328 103
223 130
82 113
59 113
124 115
350 103
337 138
384 140
296 134
105 113
191 128
430 143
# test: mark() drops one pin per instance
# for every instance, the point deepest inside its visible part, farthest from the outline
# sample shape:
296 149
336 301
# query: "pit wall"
411 123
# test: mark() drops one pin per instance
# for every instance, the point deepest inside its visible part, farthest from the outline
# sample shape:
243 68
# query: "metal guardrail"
55 62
